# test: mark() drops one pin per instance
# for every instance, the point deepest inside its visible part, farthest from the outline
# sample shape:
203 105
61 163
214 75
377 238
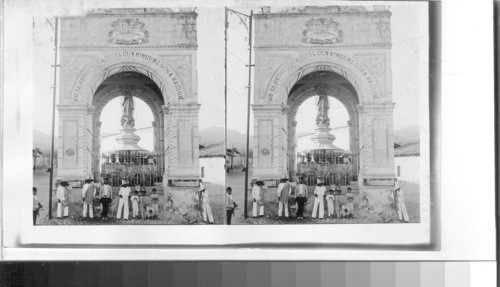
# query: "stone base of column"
377 203
181 181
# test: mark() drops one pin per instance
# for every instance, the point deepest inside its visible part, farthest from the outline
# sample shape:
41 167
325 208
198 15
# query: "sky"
408 60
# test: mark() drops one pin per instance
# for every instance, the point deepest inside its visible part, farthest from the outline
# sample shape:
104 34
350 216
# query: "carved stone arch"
95 74
364 83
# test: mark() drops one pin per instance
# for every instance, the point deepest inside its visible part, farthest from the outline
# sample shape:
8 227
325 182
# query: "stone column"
75 142
270 142
182 145
292 147
376 144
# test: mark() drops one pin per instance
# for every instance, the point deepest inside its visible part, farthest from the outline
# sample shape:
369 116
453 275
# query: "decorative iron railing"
137 168
332 167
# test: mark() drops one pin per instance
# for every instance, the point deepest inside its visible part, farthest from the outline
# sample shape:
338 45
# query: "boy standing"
36 205
350 202
230 205
155 198
135 205
329 201
142 203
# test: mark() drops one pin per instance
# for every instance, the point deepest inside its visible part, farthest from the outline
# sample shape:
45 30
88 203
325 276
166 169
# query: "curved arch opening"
128 105
323 137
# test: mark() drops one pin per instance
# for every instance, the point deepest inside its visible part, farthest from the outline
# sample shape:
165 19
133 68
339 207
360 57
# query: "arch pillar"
181 133
270 141
74 159
376 140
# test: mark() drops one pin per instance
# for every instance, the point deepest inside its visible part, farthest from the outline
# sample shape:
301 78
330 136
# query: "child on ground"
230 205
319 193
350 202
135 204
329 200
36 205
123 203
155 199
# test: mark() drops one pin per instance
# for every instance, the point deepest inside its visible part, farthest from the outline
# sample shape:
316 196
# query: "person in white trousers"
284 191
123 203
88 194
62 194
319 193
206 211
400 203
258 198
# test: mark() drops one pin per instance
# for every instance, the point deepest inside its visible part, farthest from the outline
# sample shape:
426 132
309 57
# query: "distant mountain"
407 135
41 140
214 135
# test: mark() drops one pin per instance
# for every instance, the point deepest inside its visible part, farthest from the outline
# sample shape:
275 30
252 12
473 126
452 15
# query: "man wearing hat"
284 190
206 211
62 194
123 204
319 193
400 202
106 191
88 194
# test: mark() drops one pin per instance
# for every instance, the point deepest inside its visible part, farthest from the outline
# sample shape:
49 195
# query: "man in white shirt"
123 204
205 205
258 198
62 195
319 193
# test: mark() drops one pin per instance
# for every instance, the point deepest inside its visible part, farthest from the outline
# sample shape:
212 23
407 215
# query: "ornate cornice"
121 47
321 47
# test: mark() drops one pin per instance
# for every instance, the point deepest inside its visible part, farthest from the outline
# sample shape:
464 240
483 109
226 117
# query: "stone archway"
144 89
337 87
166 57
317 41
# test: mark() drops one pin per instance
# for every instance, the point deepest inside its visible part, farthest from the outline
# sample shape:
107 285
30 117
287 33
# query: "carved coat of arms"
322 31
128 32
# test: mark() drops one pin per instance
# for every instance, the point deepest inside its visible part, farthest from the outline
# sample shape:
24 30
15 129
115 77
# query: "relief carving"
322 31
128 32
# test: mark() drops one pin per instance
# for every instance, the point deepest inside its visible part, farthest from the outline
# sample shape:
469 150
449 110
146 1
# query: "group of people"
338 205
143 206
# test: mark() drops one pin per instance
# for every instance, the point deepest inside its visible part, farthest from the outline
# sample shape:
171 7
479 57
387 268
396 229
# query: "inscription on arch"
82 79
